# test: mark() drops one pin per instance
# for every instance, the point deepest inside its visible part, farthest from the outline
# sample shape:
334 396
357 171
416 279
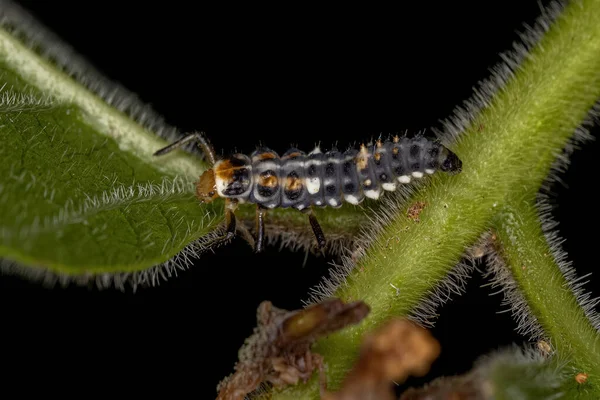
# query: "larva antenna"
199 137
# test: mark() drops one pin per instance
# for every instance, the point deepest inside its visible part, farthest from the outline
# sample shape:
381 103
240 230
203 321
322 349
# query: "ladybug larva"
301 181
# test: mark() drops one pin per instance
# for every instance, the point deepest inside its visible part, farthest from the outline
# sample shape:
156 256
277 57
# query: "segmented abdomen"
300 180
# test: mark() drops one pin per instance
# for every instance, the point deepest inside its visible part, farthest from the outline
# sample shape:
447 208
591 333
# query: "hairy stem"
507 150
341 226
546 291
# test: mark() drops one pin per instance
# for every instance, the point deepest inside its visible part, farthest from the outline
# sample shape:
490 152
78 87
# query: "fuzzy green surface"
54 161
517 375
522 383
508 150
516 380
344 221
48 80
545 289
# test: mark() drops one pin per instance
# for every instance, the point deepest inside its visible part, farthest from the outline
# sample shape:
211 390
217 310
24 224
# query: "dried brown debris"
279 350
414 211
465 387
397 350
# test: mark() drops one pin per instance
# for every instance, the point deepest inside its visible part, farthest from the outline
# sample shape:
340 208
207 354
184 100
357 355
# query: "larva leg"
316 228
246 235
230 224
261 212
230 207
199 137
233 226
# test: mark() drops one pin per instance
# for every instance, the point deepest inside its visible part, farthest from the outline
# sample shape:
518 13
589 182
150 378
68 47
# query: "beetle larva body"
301 180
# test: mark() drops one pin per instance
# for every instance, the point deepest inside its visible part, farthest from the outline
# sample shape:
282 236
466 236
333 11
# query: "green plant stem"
552 303
507 150
343 224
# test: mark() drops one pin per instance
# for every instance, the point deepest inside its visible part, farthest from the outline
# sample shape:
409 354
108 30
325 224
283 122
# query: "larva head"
450 162
206 188
233 176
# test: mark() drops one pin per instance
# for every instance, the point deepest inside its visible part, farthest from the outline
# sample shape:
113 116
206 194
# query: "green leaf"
81 194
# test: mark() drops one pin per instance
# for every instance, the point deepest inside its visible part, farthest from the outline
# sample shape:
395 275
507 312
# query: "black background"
278 75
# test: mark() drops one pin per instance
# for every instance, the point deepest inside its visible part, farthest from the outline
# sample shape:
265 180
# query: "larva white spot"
318 202
368 182
329 182
333 202
351 199
316 150
372 194
430 171
417 174
272 205
390 187
313 185
294 164
300 207
404 179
